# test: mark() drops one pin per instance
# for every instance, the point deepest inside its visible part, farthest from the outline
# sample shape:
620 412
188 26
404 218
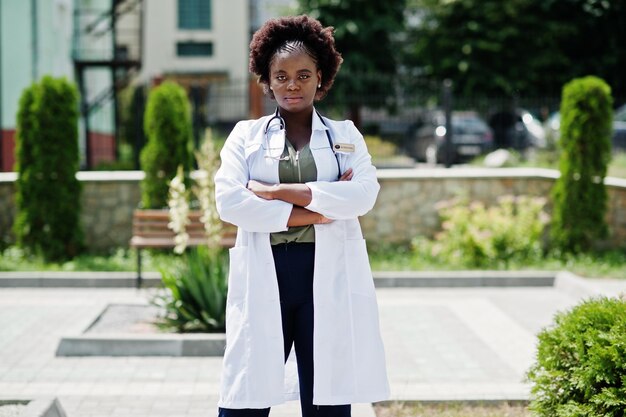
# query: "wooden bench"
150 231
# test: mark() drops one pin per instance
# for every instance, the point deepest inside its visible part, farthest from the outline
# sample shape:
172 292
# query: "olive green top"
296 167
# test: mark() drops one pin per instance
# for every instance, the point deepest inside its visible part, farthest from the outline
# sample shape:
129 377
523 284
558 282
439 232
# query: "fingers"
325 220
347 176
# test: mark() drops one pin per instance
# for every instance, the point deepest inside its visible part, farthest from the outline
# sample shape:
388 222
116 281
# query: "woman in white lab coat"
294 183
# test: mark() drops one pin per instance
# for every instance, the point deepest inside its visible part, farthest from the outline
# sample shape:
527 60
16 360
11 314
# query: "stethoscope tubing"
278 117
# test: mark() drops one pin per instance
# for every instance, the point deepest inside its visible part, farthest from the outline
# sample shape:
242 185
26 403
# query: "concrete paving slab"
441 344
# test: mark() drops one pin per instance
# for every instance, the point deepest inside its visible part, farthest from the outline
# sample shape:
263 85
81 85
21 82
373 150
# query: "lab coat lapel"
263 152
322 153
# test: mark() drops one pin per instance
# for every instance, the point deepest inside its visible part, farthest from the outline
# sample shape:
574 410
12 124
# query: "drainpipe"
35 40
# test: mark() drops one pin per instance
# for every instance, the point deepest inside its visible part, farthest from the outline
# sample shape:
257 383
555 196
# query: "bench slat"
150 230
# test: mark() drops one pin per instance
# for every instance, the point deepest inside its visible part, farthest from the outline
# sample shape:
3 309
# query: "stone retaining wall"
405 207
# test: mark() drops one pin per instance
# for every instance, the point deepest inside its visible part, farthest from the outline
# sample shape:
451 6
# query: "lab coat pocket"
237 275
358 268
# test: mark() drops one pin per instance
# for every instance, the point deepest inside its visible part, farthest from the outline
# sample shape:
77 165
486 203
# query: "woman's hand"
347 176
324 220
298 194
262 189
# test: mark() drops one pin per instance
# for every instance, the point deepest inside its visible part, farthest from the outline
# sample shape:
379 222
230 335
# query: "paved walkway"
472 343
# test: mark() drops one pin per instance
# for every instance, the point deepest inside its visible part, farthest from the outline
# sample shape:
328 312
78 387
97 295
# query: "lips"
293 99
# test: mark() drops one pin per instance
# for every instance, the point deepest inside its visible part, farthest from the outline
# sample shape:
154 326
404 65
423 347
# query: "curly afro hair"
315 39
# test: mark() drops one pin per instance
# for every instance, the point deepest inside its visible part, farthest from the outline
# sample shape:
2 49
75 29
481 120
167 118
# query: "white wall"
229 34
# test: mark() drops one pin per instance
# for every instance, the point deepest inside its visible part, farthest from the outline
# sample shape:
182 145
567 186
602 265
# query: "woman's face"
294 78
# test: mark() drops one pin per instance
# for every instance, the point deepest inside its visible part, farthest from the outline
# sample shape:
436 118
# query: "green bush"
194 299
167 124
477 236
580 368
47 159
579 195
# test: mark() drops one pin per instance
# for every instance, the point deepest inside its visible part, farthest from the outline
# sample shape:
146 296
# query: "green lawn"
390 258
609 264
13 259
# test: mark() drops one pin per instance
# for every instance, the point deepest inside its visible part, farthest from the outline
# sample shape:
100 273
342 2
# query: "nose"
292 85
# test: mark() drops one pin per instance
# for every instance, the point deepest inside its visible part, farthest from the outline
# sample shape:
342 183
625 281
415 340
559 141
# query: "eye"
281 77
304 76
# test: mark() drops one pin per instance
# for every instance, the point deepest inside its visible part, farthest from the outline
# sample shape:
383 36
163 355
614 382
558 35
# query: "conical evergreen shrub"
579 195
168 128
47 159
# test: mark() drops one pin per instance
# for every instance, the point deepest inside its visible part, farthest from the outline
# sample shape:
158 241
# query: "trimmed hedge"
579 195
168 128
581 362
47 159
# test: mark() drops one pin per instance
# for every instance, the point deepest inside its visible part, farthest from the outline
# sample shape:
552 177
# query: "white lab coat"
348 353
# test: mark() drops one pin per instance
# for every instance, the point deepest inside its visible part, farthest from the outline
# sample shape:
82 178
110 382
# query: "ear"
319 77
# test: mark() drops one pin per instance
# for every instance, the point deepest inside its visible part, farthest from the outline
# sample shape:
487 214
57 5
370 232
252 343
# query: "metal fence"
392 113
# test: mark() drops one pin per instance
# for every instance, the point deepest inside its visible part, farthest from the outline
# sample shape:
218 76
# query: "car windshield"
466 124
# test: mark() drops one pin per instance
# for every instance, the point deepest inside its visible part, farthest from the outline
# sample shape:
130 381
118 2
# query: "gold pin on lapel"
344 147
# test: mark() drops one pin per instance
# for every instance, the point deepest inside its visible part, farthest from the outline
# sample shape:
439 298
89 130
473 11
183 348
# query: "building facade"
106 45
35 40
86 41
202 45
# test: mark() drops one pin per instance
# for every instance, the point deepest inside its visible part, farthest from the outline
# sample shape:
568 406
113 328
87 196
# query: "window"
194 14
194 49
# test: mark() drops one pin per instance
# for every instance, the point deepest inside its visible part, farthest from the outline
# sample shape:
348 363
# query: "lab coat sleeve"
340 200
235 203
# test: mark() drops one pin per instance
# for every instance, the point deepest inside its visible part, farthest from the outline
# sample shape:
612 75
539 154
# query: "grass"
606 264
610 264
14 259
454 409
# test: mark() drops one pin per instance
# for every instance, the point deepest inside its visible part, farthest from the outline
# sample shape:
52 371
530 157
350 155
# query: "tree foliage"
167 124
518 47
580 196
364 35
48 193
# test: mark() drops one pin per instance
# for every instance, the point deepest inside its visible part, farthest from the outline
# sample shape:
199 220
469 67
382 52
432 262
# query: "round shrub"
47 159
579 195
167 124
580 368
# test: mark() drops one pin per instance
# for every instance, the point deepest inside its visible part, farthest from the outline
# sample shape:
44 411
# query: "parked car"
470 137
517 129
618 140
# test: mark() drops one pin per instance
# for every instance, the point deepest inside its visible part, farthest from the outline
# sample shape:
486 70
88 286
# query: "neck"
302 119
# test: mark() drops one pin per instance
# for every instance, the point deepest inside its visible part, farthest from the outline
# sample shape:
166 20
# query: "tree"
519 47
167 125
580 196
48 193
364 34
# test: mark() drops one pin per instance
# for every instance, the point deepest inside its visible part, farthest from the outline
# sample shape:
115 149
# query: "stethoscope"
281 126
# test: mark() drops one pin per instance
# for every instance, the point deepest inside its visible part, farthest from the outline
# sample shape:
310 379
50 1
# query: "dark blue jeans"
294 269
